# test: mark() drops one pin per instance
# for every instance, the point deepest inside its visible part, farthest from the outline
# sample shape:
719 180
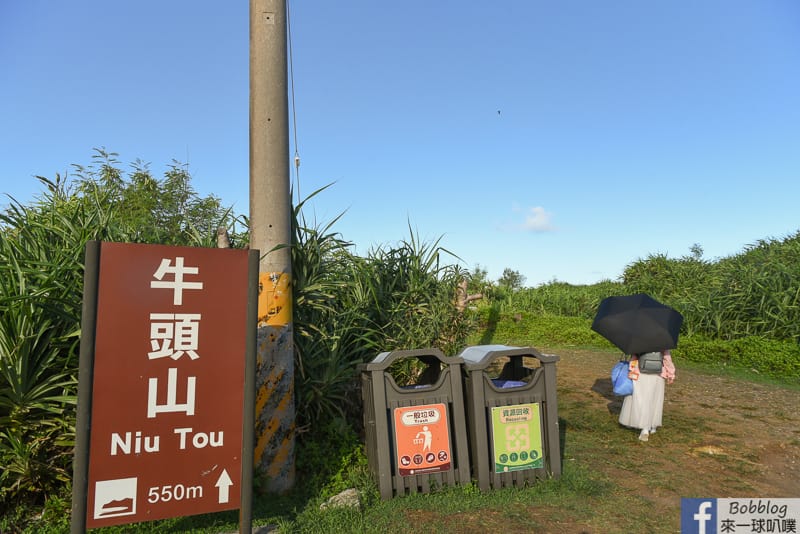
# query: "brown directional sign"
168 382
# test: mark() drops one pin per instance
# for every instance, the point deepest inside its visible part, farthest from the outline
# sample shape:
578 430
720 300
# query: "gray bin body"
533 386
384 400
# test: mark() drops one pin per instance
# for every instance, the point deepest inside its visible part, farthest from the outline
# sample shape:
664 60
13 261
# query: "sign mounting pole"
271 233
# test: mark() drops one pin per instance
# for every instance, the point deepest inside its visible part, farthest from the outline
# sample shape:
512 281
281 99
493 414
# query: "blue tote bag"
620 382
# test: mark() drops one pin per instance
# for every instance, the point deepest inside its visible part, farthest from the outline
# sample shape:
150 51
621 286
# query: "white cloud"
537 220
534 219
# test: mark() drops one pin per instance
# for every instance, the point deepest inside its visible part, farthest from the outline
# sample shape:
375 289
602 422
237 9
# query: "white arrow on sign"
224 484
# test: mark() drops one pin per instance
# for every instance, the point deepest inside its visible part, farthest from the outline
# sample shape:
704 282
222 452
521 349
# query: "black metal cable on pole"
294 106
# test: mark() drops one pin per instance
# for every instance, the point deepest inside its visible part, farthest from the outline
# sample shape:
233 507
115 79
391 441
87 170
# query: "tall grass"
753 293
350 308
741 311
563 299
41 268
41 283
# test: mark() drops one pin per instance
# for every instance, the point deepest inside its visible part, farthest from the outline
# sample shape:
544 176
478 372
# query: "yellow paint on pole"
274 299
262 395
281 461
266 438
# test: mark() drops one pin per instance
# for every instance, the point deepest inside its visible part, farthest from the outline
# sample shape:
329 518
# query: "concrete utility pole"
270 226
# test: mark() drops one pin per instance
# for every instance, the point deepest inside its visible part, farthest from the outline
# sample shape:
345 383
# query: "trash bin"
512 415
416 436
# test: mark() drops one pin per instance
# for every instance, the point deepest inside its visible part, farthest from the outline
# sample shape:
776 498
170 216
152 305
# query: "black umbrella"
637 323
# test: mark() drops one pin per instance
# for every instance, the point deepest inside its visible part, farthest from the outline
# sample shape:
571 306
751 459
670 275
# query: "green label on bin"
517 437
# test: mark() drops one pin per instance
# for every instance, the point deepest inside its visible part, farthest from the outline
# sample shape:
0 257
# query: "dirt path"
743 437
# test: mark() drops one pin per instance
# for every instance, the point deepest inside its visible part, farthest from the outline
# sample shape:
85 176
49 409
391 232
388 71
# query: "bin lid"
480 356
383 360
477 353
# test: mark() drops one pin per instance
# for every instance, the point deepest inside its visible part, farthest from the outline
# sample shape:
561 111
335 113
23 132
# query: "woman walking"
645 407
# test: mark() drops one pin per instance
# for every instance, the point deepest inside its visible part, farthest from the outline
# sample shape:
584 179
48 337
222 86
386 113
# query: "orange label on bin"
422 439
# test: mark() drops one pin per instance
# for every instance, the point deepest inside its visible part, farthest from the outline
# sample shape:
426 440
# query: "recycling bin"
416 435
512 415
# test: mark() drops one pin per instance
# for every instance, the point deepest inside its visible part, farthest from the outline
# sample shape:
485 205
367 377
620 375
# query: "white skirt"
645 407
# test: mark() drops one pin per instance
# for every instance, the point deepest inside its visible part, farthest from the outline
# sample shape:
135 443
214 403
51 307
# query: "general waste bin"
416 436
512 415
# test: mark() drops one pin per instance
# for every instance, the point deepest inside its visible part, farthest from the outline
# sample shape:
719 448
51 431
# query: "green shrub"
702 350
330 459
525 328
773 358
562 299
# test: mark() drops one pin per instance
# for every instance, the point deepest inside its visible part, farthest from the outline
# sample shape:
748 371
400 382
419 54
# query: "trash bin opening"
415 373
512 371
508 384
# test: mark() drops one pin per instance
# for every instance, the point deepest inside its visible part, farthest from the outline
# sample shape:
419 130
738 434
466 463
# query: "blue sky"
562 139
